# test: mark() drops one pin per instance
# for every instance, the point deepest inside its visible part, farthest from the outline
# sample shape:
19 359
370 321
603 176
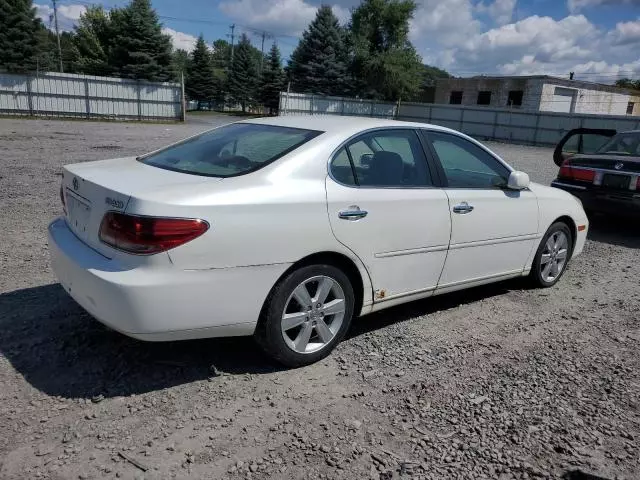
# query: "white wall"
586 101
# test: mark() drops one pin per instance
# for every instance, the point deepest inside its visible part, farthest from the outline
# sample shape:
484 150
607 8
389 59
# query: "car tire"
555 248
289 316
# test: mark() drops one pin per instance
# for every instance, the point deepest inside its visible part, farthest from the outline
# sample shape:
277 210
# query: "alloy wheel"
554 256
313 314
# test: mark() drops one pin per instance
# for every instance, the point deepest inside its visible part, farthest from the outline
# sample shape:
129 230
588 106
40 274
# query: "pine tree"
272 80
385 64
200 82
18 35
220 59
140 49
243 74
179 64
319 62
94 42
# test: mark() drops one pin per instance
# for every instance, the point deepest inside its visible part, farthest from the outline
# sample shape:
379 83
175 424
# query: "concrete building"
539 93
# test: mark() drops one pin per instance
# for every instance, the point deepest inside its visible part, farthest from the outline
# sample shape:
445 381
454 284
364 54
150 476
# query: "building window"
630 108
455 98
484 98
515 98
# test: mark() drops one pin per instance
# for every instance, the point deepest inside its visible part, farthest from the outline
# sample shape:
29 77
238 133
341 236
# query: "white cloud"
290 17
500 10
542 45
447 23
180 40
68 15
626 33
577 5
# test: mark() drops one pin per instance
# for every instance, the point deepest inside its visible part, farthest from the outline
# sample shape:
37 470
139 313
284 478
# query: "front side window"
465 164
384 158
231 150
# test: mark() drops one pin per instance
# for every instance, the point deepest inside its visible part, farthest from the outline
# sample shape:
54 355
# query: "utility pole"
263 35
232 27
55 19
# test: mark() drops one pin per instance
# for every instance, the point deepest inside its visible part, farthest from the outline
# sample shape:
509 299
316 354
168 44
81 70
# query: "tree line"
370 57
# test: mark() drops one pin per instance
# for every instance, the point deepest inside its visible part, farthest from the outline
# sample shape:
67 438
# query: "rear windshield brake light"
148 235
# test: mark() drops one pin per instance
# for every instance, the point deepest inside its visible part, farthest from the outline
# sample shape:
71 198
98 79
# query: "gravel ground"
496 382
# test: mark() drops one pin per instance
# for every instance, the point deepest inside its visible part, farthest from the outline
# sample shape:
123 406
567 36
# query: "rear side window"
230 150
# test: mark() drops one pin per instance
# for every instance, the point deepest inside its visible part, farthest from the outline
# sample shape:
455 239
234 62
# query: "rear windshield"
231 150
622 144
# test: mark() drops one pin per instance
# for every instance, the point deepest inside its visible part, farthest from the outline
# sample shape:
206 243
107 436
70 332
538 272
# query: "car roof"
346 125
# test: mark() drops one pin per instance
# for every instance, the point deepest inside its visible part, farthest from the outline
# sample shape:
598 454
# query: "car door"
383 205
493 229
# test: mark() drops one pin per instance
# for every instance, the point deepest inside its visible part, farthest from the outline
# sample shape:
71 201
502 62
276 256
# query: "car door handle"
463 208
352 213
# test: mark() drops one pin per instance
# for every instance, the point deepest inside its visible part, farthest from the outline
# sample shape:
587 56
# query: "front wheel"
306 315
552 256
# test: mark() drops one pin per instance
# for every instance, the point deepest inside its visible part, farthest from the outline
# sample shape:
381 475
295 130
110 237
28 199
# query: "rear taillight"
64 203
576 173
148 235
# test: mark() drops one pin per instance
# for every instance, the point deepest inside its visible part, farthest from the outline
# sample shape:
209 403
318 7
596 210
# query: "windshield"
622 144
231 150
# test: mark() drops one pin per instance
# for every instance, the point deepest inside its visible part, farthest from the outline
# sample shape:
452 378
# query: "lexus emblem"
618 165
76 185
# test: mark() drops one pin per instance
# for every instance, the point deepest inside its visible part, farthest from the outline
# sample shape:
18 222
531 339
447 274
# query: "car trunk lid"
93 188
609 172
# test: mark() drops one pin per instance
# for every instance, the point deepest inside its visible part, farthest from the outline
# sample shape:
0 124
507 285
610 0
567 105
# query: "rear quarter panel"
275 215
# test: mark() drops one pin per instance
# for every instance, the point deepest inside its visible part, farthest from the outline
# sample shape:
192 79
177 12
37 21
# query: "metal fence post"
139 102
495 125
29 97
183 100
461 118
87 104
311 106
537 129
373 104
342 112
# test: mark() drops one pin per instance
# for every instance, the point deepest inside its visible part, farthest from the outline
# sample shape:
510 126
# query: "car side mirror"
518 181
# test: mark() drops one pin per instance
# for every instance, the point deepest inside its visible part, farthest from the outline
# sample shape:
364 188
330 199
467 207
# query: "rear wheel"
552 256
306 315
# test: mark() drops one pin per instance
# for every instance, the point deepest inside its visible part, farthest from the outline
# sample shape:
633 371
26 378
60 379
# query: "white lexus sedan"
286 228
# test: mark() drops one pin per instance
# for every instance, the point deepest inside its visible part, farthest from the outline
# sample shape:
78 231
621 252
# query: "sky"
599 40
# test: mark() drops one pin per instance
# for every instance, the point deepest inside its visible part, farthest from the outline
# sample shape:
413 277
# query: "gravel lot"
497 382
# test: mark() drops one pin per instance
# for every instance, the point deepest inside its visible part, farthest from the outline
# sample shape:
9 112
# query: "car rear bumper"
597 200
160 303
